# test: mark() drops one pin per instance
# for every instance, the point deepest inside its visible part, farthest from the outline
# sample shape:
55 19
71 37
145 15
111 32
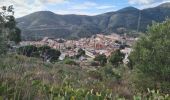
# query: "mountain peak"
131 8
165 5
44 12
127 9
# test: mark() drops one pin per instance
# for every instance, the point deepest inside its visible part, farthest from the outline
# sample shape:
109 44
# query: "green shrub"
27 50
150 57
80 53
93 63
116 58
69 62
101 58
44 52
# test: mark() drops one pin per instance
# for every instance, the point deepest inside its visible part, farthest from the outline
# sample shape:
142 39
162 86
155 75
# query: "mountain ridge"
47 23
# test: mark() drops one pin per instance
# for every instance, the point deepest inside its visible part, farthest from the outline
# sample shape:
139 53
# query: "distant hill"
46 23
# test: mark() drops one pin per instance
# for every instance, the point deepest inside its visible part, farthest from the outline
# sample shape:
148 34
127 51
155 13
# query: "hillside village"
98 44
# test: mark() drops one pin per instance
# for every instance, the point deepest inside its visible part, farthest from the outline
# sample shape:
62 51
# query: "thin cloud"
105 7
76 12
85 5
24 7
54 1
150 3
146 2
141 1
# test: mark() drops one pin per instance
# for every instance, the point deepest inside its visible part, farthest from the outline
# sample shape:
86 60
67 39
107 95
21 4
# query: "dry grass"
31 79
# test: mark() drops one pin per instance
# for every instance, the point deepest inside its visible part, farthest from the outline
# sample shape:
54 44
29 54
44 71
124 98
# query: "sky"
80 7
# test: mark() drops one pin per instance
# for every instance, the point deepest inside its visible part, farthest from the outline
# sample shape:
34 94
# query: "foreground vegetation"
151 58
29 78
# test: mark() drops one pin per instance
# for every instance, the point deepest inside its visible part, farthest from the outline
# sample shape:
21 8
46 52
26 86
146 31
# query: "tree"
49 54
52 55
2 39
13 32
43 49
116 58
151 56
8 29
28 51
3 43
80 53
101 58
15 35
45 52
